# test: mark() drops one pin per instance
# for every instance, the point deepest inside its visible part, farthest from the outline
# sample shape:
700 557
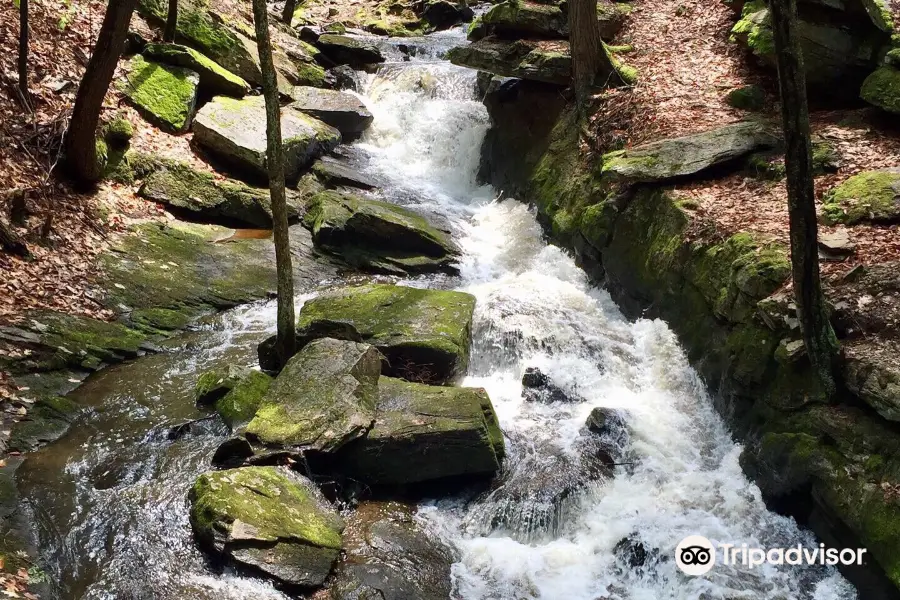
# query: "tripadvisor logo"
696 555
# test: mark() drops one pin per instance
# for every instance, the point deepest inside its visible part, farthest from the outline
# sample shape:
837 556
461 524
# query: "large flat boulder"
323 398
163 94
348 50
424 334
870 196
235 131
689 155
515 18
547 61
343 111
214 79
378 236
269 519
426 433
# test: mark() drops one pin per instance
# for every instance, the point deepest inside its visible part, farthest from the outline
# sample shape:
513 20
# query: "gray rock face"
235 131
389 556
871 373
347 50
338 173
685 156
341 110
547 61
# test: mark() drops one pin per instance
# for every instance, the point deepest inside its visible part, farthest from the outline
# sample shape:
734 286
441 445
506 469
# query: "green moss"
748 97
310 73
869 196
216 383
239 405
882 89
880 14
751 347
214 78
118 132
164 94
159 320
755 29
102 153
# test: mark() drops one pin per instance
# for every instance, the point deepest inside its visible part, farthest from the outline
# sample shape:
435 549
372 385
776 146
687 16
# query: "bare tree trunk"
821 343
81 145
589 56
287 14
286 343
171 22
23 51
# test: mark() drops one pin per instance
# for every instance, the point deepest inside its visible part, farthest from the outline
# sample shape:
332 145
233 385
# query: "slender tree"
171 22
821 343
286 341
287 15
80 143
23 50
590 59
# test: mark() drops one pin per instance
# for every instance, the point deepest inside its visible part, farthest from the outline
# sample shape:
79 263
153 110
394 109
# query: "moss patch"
165 95
882 89
214 79
870 196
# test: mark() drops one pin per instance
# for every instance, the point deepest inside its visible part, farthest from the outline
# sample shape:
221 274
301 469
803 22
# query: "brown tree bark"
286 343
23 51
80 143
11 242
590 59
171 22
818 336
287 15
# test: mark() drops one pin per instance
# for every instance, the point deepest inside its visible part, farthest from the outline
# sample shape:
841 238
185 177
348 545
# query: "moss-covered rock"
47 421
235 131
882 89
426 433
118 131
269 519
346 50
215 384
345 112
164 94
689 155
424 334
748 97
239 405
323 398
547 61
872 196
214 79
378 236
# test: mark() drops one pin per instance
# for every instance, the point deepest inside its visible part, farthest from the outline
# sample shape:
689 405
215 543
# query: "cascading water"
110 498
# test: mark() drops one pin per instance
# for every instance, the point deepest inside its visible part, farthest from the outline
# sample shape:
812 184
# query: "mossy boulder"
871 196
323 398
163 94
547 61
748 97
426 433
424 334
204 196
515 19
378 236
213 385
882 89
47 421
345 112
269 519
214 79
690 155
348 50
235 131
239 405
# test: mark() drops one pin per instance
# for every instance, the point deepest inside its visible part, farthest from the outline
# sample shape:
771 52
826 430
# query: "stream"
109 500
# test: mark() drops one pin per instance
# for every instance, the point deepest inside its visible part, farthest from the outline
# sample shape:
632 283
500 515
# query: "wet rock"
425 334
633 553
689 155
235 131
202 426
215 384
323 399
214 79
47 420
202 195
442 14
870 196
347 50
426 433
525 18
345 112
609 426
538 60
335 173
269 519
538 387
163 94
378 236
241 402
232 452
388 555
343 77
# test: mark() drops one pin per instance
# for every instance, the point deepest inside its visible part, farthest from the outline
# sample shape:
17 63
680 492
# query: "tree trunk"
11 242
590 58
23 50
287 14
171 22
286 341
81 145
818 336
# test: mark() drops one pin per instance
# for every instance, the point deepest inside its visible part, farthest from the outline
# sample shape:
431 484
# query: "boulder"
163 94
442 14
343 77
323 398
748 97
547 61
235 131
676 158
347 50
378 236
268 519
47 421
426 433
388 555
335 173
425 334
205 196
871 373
882 89
871 196
213 385
345 112
214 79
538 387
516 18
240 404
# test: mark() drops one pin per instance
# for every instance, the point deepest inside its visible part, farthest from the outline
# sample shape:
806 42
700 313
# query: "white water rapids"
110 502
